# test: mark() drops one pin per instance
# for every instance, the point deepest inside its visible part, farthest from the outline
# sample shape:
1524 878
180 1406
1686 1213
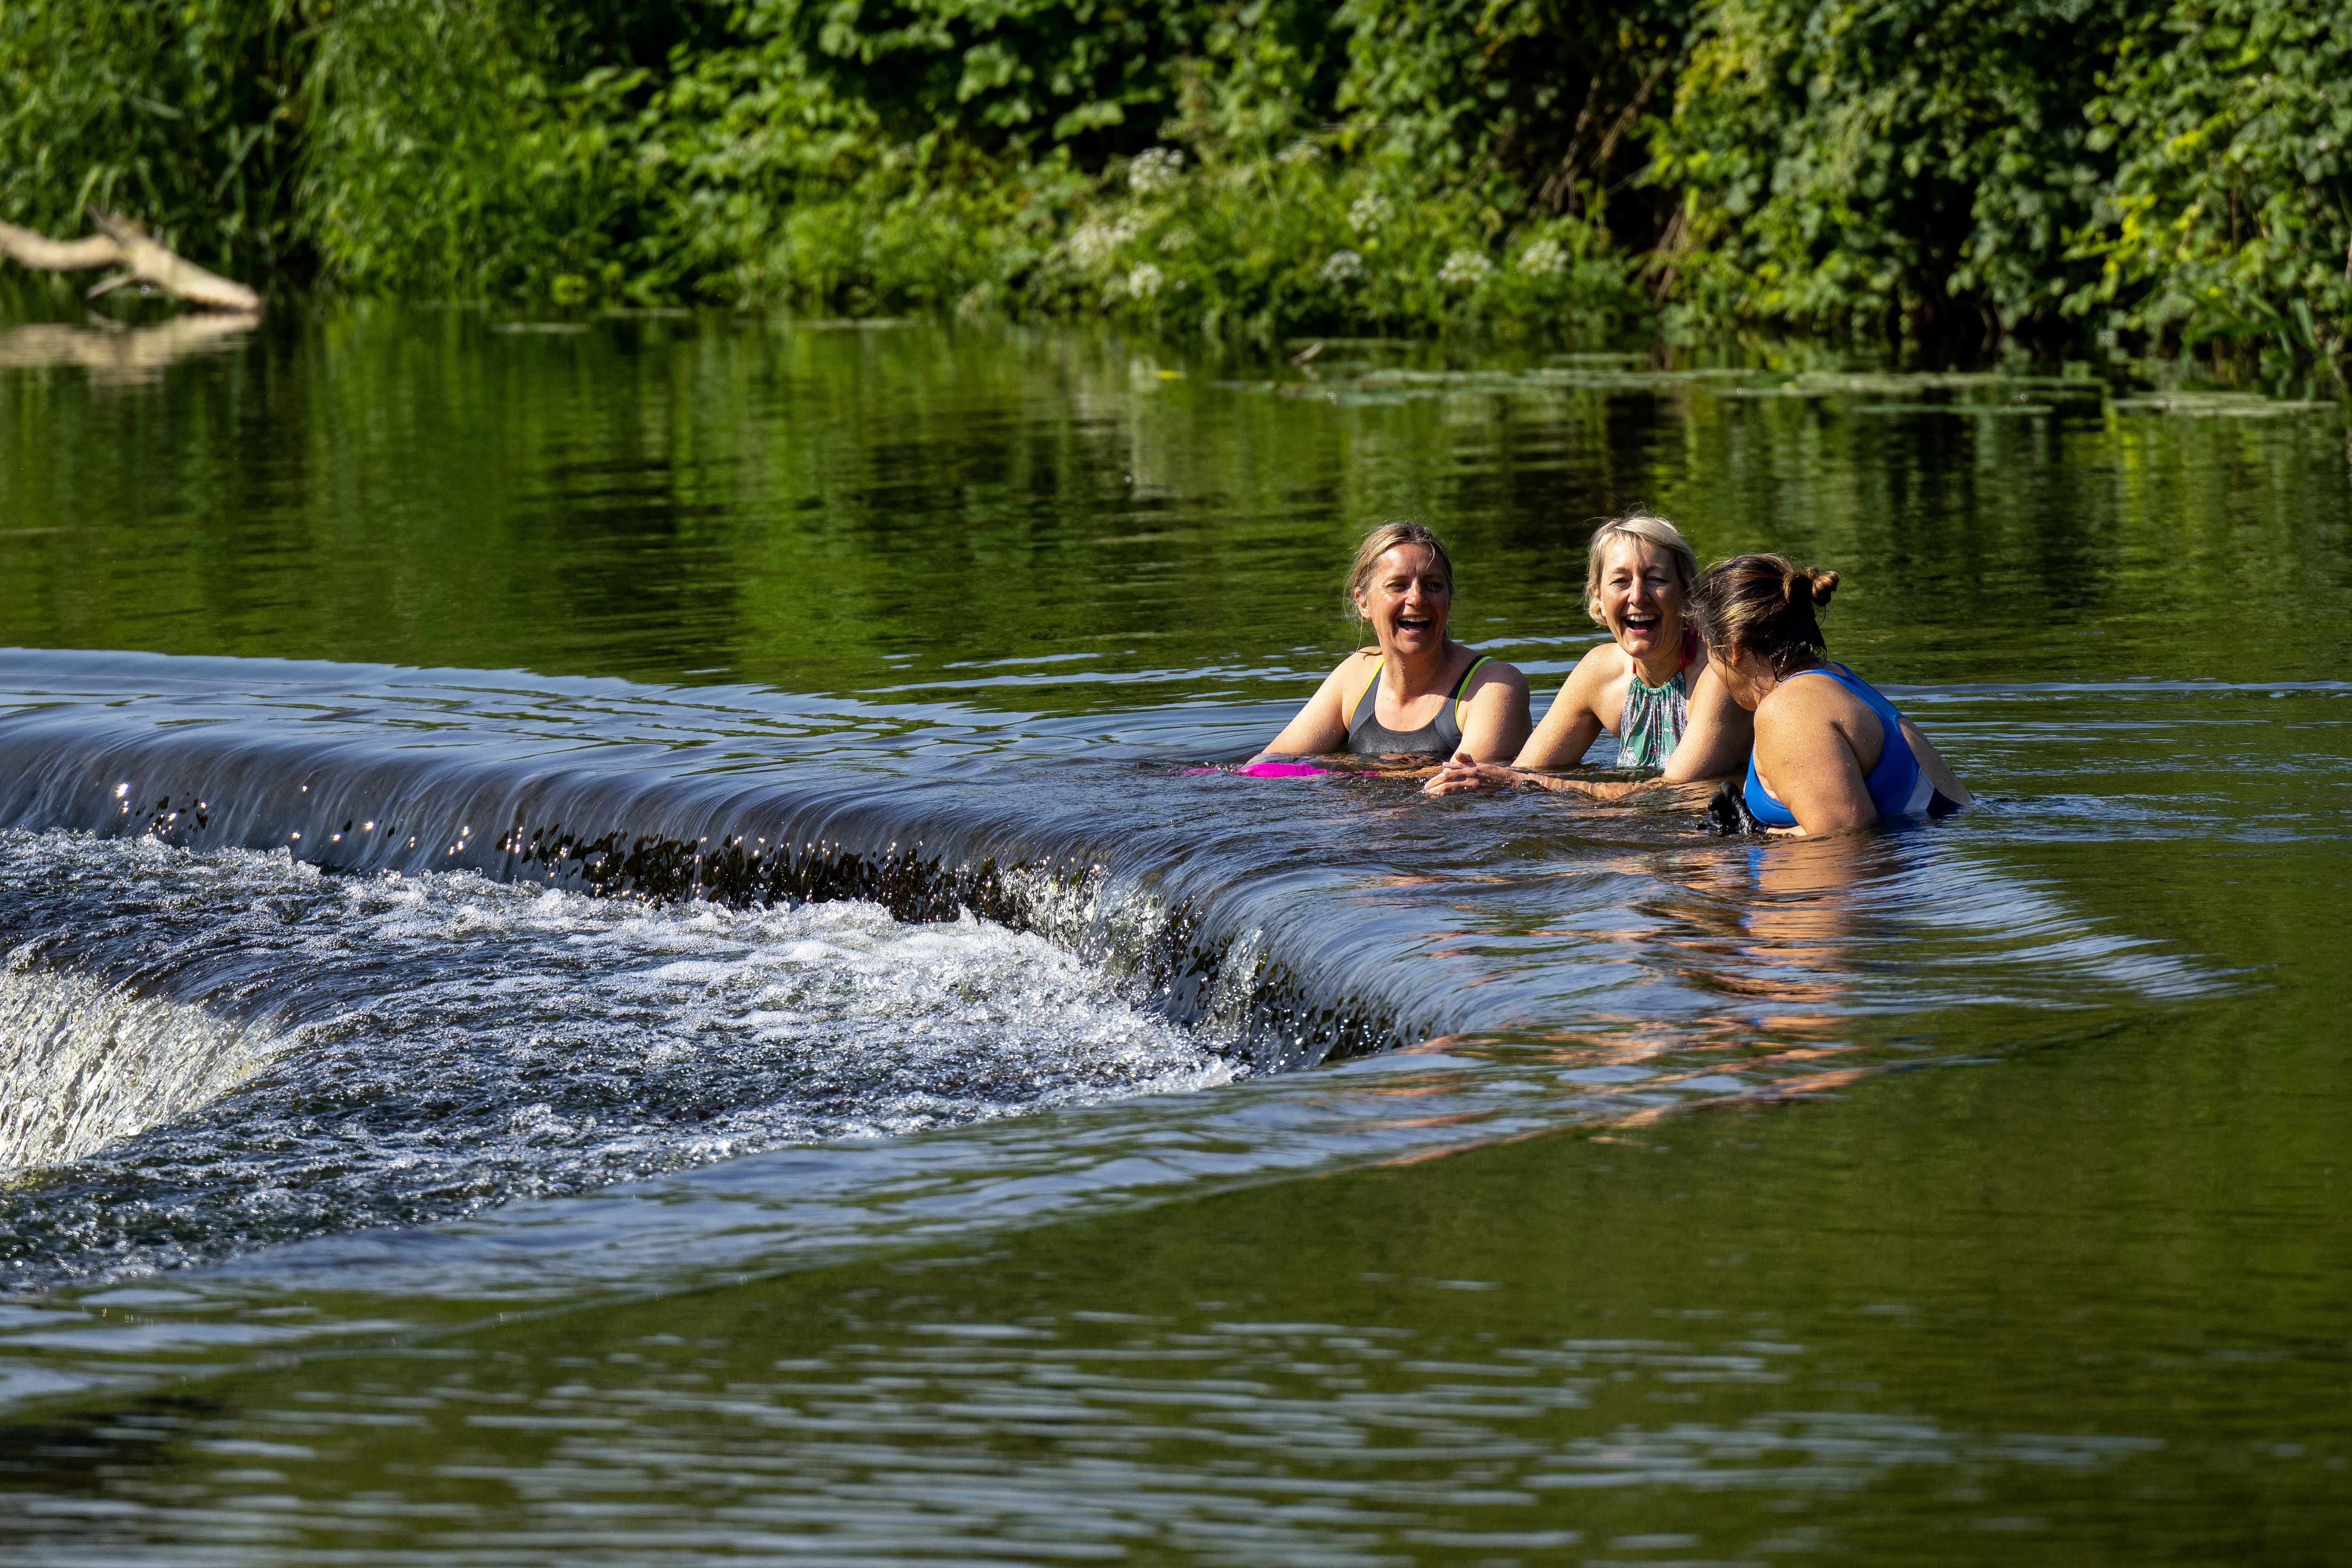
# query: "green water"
2048 1262
848 511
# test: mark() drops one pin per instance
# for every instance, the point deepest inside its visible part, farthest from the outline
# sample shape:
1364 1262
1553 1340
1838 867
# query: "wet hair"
1381 540
1649 531
1765 604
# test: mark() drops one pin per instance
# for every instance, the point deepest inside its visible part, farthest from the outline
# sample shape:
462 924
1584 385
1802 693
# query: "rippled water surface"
618 949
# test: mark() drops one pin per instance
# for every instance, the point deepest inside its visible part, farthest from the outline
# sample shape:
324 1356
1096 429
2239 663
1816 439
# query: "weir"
276 970
287 959
629 822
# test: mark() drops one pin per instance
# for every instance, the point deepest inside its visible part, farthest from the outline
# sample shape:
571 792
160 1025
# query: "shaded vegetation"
2051 170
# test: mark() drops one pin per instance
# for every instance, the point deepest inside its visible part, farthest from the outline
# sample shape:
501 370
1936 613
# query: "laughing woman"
1418 695
1650 685
1831 753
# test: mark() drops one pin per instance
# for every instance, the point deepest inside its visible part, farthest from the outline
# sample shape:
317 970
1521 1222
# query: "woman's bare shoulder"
1352 671
1795 700
1592 672
1494 671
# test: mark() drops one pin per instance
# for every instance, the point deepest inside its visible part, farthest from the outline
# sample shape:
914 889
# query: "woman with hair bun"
1418 694
1830 754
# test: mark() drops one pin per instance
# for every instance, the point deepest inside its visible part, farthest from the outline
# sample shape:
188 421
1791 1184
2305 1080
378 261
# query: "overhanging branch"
121 242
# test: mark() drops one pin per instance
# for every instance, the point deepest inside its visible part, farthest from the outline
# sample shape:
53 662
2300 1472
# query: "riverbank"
2161 177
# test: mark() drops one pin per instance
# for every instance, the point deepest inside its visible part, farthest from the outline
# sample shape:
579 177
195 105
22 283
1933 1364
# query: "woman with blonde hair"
1830 754
1418 693
1650 685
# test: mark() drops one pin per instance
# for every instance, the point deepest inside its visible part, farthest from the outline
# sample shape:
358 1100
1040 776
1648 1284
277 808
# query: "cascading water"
89 1064
276 978
243 1049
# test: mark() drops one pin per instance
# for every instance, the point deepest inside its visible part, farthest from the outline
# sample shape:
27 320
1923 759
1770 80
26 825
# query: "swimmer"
1830 754
1418 695
1651 686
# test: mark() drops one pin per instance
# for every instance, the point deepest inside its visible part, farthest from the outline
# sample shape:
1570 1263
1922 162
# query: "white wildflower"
1545 258
1155 169
1369 212
1176 238
1144 281
1465 269
1299 151
1095 241
1340 266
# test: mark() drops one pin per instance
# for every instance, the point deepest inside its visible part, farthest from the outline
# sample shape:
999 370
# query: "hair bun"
1824 584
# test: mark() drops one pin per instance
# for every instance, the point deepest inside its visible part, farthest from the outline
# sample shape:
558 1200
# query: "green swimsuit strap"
1463 685
1357 711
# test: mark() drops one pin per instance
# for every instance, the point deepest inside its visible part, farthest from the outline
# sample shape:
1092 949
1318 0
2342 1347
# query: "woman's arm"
1940 772
1572 724
1495 712
1321 727
1566 733
1717 739
1807 759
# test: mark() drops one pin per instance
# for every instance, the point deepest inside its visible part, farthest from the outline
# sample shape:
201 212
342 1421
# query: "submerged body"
1418 695
1899 781
1830 754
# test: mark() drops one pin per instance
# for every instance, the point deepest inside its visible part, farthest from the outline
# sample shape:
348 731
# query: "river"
625 944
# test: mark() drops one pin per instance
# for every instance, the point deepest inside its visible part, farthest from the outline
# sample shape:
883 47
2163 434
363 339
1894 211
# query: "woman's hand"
1462 772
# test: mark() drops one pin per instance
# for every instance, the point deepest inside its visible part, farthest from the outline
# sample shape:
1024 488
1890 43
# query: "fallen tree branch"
120 242
43 253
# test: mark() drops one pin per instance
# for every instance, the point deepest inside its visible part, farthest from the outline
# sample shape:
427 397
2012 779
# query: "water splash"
271 1053
82 1065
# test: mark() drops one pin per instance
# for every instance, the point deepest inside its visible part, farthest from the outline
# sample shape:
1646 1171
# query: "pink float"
1269 770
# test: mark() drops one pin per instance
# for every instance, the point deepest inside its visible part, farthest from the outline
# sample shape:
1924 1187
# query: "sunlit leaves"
1964 169
2230 215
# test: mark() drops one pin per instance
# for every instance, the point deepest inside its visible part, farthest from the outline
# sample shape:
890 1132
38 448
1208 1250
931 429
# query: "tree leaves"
1956 169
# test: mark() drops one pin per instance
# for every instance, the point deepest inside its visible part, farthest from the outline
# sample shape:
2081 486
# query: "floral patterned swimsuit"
1656 717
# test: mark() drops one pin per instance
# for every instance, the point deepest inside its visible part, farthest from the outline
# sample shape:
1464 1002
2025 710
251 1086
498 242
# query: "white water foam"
219 1050
82 1065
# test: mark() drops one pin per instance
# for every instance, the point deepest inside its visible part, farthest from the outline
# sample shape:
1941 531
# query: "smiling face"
1640 598
1406 596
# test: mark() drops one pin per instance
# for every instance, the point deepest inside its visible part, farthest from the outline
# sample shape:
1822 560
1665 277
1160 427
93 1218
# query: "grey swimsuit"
1368 737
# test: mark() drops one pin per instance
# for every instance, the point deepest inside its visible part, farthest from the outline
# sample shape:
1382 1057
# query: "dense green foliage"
180 113
2231 213
1954 171
1926 159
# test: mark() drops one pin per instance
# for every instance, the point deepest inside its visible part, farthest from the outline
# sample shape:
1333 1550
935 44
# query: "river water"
622 946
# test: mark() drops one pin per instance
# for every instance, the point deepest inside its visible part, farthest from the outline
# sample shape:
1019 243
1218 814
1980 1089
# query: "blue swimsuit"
1896 783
